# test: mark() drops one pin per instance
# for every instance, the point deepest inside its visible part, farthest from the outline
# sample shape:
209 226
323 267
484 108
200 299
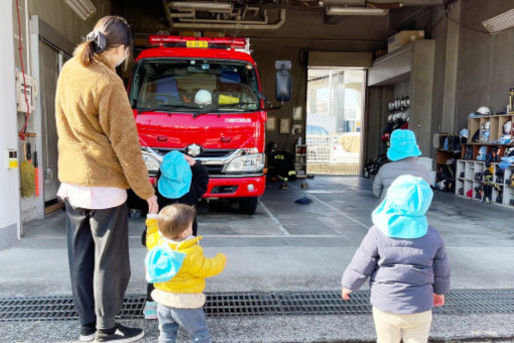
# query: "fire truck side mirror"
283 81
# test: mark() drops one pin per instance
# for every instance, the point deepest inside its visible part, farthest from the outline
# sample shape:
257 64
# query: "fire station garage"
291 107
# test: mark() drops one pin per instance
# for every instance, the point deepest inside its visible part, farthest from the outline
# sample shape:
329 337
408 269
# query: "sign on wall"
29 87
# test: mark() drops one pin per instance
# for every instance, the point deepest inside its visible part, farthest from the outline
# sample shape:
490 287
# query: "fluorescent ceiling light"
335 10
501 22
83 8
190 5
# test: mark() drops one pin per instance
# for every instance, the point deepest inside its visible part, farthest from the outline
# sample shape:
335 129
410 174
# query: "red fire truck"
203 96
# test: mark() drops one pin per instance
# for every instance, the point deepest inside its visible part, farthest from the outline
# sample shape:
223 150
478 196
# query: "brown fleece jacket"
98 141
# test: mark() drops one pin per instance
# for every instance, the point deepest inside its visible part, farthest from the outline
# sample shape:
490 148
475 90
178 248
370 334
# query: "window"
171 84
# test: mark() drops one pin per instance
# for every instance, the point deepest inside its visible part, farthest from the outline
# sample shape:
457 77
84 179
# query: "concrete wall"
407 71
408 18
376 120
472 67
9 180
444 33
439 34
58 15
401 89
425 87
485 63
421 86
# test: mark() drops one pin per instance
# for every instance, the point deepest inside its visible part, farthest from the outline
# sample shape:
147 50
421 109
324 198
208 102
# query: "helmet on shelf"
484 110
485 130
507 128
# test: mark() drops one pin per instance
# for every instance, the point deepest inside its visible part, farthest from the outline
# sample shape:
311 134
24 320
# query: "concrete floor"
285 246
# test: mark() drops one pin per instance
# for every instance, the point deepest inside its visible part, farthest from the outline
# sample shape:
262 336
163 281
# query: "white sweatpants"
413 328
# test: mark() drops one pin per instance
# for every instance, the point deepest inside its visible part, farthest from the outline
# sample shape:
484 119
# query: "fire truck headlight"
246 163
152 164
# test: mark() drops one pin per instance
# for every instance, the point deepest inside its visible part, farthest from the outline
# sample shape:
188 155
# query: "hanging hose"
27 170
20 49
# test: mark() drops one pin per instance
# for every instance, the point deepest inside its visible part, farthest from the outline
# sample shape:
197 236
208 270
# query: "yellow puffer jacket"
196 267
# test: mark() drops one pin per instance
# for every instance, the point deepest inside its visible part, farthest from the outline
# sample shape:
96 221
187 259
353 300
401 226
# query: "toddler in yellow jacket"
177 266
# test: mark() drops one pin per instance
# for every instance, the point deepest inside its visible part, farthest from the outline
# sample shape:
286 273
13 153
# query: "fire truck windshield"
195 86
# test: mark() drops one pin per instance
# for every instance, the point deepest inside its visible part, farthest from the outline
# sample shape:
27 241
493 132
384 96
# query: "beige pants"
413 328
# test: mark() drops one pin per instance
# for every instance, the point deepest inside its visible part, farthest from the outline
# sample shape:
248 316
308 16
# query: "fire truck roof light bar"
235 43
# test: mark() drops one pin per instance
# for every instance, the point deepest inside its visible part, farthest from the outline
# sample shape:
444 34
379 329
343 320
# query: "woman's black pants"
99 262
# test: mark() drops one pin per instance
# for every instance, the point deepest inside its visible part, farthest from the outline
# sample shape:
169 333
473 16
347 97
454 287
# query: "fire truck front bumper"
236 186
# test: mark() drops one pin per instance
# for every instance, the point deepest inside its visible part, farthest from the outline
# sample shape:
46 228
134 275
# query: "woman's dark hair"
109 32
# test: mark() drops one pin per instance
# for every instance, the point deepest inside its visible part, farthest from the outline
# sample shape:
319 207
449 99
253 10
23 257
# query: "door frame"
41 31
364 99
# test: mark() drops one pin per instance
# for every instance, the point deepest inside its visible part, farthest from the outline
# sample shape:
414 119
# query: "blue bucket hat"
163 263
176 176
402 213
403 145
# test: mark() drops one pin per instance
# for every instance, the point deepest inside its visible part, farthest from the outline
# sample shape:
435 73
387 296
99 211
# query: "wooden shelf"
492 203
470 168
481 162
493 116
496 128
450 152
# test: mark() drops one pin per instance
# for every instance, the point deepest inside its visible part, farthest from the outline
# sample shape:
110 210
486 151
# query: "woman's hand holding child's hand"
345 294
153 205
438 300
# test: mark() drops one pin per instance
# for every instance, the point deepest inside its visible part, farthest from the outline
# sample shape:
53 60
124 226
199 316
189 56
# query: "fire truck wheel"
248 205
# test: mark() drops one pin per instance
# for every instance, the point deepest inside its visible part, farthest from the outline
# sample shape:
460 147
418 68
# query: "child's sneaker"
150 310
87 332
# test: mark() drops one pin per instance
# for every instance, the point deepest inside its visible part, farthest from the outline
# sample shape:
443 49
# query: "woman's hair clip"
98 39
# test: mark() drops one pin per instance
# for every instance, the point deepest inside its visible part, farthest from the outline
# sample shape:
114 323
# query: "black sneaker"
87 332
119 334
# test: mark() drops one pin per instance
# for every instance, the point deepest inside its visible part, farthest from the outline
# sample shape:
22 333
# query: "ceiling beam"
167 11
331 19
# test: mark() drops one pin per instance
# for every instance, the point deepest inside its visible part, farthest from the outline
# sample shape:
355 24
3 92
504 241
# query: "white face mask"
125 55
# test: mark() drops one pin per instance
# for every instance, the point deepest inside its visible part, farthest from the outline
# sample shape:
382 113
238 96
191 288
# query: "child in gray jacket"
406 262
403 153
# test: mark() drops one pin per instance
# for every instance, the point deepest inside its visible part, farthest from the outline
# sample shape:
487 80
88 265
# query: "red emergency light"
198 42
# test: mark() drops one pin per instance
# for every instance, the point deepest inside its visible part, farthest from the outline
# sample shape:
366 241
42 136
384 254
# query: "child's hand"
438 300
190 160
223 256
345 294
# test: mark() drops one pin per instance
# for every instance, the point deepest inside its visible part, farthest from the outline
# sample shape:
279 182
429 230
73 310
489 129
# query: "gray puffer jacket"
404 273
390 171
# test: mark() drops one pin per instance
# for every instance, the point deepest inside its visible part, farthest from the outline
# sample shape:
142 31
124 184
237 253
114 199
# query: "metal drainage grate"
462 301
302 303
243 304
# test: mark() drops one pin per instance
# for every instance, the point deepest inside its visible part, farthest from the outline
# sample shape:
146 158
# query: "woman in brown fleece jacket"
99 158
